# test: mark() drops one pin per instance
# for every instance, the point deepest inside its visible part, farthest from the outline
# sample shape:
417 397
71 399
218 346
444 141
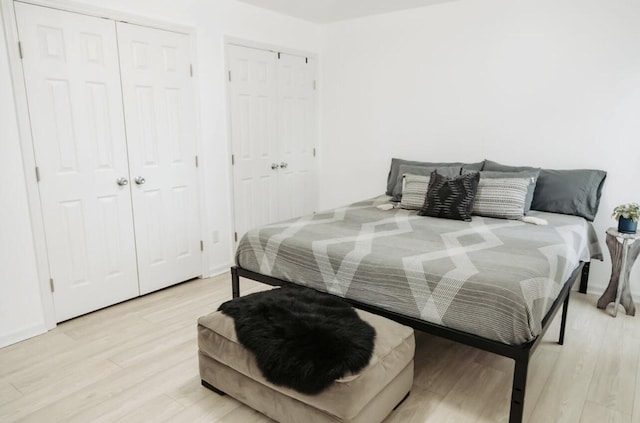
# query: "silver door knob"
274 166
122 181
284 165
140 180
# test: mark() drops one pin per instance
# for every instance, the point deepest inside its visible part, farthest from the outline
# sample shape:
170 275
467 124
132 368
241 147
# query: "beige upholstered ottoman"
369 396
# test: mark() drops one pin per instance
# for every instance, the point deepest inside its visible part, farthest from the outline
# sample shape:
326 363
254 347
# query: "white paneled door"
160 122
73 86
296 136
253 105
273 133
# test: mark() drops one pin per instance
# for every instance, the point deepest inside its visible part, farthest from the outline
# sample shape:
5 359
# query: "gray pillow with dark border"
575 192
392 178
495 166
448 171
477 167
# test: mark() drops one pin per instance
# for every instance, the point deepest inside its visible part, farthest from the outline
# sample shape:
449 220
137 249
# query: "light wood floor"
136 362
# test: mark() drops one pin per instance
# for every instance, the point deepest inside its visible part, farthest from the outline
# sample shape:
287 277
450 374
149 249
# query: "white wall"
21 312
19 295
548 83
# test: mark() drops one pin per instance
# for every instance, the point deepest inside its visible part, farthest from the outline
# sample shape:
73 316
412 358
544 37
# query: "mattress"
494 278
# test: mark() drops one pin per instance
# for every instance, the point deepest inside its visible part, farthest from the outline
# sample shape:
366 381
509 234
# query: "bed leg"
563 322
235 282
584 279
518 390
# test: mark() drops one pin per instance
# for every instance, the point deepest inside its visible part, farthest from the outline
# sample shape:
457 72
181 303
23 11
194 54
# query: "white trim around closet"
28 161
229 40
8 17
101 12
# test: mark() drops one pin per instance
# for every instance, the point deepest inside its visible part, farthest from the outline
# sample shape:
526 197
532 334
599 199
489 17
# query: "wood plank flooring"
136 362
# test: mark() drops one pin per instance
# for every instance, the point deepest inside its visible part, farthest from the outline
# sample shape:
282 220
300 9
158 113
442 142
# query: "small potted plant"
627 216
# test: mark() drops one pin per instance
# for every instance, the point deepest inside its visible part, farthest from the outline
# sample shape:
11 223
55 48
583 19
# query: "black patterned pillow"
451 198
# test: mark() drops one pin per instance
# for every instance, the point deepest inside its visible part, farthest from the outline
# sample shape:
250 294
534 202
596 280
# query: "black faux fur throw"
302 339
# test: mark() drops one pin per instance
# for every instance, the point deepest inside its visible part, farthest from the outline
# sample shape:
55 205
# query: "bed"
494 284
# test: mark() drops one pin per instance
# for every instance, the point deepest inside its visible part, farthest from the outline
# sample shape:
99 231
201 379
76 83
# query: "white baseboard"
22 334
598 290
217 269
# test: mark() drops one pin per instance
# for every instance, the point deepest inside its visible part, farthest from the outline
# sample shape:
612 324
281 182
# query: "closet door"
253 104
296 136
159 116
73 86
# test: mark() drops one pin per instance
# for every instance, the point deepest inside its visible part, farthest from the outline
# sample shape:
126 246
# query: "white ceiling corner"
327 11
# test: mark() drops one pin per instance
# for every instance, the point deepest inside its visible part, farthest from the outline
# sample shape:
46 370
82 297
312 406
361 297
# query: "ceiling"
326 11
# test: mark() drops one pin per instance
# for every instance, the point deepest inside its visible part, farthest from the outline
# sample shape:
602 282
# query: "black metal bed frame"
519 353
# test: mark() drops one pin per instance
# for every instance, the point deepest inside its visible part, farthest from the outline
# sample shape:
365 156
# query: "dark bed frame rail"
584 280
519 353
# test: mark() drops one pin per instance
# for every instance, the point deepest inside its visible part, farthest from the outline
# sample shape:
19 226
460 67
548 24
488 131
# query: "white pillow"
414 190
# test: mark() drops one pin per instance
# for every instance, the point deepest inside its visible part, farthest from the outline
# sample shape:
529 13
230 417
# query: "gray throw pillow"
495 166
392 178
502 198
448 171
575 192
473 166
531 175
395 165
414 191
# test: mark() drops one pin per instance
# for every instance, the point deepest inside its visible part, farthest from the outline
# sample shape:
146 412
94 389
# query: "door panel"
75 106
159 115
253 106
296 134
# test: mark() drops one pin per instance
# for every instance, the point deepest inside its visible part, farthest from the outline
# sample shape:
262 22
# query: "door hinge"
191 70
314 152
278 55
51 285
233 160
37 174
314 84
229 76
197 163
201 245
306 60
235 236
20 49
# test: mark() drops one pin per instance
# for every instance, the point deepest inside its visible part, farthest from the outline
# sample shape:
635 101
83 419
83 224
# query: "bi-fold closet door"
273 135
111 109
160 125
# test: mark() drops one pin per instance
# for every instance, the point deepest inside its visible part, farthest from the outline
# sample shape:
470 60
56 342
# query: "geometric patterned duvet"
494 278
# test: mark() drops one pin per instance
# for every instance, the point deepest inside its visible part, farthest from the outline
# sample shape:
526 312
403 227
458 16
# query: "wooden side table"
624 250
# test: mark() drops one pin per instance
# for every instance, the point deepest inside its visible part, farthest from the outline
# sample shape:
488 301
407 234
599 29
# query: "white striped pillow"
503 198
414 190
